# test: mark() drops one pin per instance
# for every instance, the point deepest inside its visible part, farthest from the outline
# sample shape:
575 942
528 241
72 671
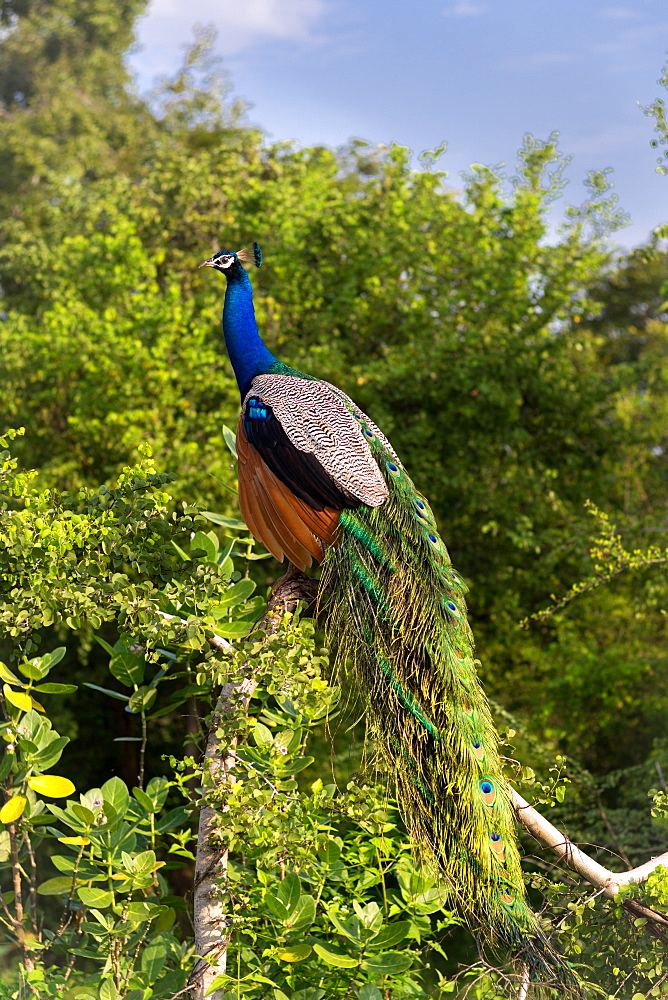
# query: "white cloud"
240 24
465 8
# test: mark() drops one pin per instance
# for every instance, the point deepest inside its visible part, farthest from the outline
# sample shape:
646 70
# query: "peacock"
319 481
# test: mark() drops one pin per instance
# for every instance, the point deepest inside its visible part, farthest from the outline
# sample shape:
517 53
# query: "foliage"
323 890
108 916
519 370
657 111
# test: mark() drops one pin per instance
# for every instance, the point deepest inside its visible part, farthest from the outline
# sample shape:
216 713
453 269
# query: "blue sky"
477 74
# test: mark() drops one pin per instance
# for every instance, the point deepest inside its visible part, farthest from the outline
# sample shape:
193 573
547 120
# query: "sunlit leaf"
52 785
18 699
225 522
12 809
7 676
234 630
295 953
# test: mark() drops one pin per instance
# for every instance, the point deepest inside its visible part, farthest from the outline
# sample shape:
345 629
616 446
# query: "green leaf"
369 915
108 990
262 736
105 645
8 761
429 901
331 853
112 694
352 929
295 765
55 656
184 556
55 886
289 891
92 896
127 668
202 542
230 439
153 960
234 595
225 522
391 934
303 914
141 699
387 963
137 913
334 956
283 900
369 992
53 688
295 953
172 819
235 630
144 862
34 669
144 800
115 792
158 790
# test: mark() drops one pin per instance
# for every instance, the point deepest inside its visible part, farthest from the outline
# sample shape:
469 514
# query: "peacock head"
229 262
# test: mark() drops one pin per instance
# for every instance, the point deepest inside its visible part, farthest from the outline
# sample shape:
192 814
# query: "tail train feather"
395 611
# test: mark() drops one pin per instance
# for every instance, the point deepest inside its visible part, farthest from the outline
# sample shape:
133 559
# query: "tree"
67 105
469 333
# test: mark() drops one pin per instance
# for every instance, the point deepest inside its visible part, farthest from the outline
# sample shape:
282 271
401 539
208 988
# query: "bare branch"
602 878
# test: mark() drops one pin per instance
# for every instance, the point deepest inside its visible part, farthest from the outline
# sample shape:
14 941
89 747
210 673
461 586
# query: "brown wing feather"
256 521
289 518
282 521
293 548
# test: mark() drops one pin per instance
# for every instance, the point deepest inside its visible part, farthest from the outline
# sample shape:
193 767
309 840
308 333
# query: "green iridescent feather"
396 616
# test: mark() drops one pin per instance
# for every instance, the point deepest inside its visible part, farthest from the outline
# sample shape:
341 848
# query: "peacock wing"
310 435
283 523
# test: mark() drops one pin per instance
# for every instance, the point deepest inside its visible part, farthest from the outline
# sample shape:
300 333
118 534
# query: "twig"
26 957
216 641
32 886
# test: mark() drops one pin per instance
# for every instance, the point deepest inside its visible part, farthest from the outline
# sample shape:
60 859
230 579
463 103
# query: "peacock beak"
208 263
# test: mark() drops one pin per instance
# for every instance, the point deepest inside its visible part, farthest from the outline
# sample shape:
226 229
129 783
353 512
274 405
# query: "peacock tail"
318 480
396 613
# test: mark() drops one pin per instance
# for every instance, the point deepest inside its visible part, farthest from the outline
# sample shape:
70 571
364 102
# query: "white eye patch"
226 261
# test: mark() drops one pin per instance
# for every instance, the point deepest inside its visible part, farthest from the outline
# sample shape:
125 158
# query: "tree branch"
212 928
602 878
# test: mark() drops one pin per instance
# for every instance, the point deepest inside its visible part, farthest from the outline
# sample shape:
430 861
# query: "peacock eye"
226 261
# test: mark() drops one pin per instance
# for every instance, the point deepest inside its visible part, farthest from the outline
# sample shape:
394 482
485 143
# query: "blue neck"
247 353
